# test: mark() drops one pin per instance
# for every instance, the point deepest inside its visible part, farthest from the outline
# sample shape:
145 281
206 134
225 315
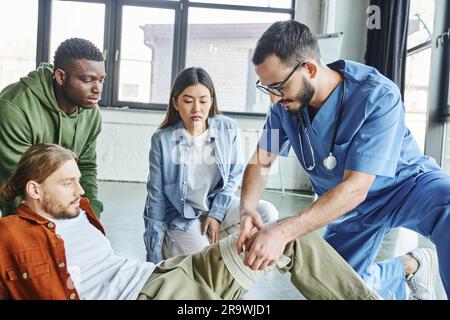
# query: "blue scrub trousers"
425 209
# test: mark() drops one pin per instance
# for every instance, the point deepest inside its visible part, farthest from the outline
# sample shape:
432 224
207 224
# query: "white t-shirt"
96 272
203 173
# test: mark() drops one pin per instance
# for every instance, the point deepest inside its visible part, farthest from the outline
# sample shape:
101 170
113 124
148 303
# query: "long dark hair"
188 77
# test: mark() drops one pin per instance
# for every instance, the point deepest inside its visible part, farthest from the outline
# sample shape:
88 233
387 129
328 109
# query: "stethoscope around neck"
329 162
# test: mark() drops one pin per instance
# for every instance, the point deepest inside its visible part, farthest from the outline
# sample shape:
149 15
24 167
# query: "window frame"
171 5
439 82
44 35
112 40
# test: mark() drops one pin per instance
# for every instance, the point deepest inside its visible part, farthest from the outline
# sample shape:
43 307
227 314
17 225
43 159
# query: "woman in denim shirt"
195 170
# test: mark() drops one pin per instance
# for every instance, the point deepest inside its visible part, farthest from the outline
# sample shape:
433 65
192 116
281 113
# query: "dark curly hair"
75 49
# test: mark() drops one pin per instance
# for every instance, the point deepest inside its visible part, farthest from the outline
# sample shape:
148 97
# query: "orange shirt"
33 259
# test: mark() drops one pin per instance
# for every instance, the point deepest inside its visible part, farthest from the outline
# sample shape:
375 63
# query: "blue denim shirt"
166 205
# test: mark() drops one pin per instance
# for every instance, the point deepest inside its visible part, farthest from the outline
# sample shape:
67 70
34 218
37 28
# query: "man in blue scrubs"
346 124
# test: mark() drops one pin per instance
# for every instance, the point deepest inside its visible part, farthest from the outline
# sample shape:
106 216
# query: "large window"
18 39
260 3
222 42
146 44
145 56
420 31
87 20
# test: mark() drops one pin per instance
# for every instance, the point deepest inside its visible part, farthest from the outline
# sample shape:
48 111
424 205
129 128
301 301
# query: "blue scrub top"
372 136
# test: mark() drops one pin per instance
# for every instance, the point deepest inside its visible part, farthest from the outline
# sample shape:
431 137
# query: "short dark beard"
304 98
56 210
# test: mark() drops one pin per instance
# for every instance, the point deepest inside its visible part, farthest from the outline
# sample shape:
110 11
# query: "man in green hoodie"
55 105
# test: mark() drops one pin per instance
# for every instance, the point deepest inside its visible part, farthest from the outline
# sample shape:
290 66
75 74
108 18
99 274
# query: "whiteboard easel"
330 46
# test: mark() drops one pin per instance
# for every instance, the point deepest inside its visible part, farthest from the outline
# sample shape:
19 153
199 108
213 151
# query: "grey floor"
122 219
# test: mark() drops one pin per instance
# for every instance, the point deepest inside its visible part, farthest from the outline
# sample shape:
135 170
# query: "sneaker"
421 283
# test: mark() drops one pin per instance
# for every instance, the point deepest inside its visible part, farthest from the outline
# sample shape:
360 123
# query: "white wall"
123 147
351 18
309 12
329 16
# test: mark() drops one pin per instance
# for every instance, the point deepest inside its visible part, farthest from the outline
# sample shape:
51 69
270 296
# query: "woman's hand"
211 227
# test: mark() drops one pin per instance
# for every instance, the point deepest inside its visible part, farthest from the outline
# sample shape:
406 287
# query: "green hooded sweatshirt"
29 114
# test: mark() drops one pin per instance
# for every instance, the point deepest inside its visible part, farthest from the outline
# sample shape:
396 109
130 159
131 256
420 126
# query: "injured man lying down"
55 248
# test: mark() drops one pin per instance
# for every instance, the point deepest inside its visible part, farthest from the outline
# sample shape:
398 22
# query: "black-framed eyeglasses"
277 90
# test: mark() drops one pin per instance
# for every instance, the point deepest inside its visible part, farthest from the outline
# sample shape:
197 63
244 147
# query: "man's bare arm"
254 182
267 245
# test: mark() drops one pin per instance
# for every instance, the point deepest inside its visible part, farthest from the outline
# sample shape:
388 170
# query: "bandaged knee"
234 262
